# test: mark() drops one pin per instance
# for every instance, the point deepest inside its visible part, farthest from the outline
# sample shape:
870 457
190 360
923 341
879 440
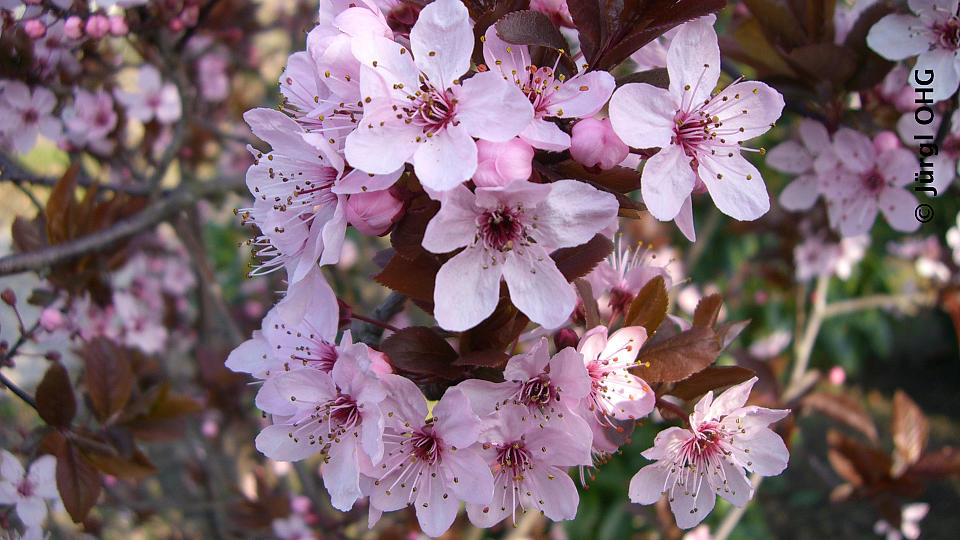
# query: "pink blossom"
292 527
213 80
509 232
931 34
499 163
696 464
619 278
797 158
301 219
552 96
154 98
335 414
594 144
615 393
118 25
374 212
864 181
910 517
836 376
539 388
89 120
73 27
416 109
34 28
28 489
97 26
699 136
26 113
433 464
529 465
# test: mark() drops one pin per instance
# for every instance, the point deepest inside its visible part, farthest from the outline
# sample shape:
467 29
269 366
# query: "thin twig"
371 320
17 391
369 333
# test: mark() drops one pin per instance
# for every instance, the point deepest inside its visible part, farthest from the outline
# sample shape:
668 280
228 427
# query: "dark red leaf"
421 353
55 400
711 378
496 332
649 308
530 28
844 409
910 432
412 277
77 480
134 467
678 357
487 358
578 261
707 311
108 376
937 464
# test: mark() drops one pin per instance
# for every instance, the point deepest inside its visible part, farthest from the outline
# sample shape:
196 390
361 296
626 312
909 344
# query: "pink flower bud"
886 140
35 29
498 164
73 27
118 26
374 212
380 363
594 144
837 375
51 319
564 338
97 26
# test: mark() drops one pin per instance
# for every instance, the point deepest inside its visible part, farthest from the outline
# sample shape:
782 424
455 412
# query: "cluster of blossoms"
375 119
147 293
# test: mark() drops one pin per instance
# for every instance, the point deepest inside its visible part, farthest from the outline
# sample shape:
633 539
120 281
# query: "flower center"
426 447
707 446
514 458
873 182
25 488
321 355
432 109
501 229
30 116
620 300
948 33
538 391
344 412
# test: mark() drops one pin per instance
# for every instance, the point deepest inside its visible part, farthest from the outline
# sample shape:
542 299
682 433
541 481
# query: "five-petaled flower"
696 464
28 489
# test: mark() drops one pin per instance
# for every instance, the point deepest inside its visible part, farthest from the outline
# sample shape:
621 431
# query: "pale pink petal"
304 386
568 372
731 399
790 157
735 186
814 136
545 135
573 213
801 194
537 288
624 344
898 166
754 108
491 108
767 455
358 181
690 511
276 442
404 402
471 479
684 220
899 208
442 41
379 149
646 487
630 397
466 292
554 492
642 115
10 468
666 182
43 477
581 96
733 485
753 418
8 493
896 37
382 57
564 441
447 159
32 510
593 342
453 421
665 441
529 364
454 225
436 510
693 62
486 396
499 58
854 149
857 218
252 356
341 474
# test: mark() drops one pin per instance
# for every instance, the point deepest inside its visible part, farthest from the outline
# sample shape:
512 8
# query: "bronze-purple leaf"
707 311
677 357
910 431
55 400
842 408
77 480
649 308
578 261
420 352
108 376
711 378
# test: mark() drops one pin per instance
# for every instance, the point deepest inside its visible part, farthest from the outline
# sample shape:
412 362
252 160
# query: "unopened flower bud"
374 212
51 319
9 297
498 164
594 144
73 27
118 25
35 29
564 338
97 26
886 140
